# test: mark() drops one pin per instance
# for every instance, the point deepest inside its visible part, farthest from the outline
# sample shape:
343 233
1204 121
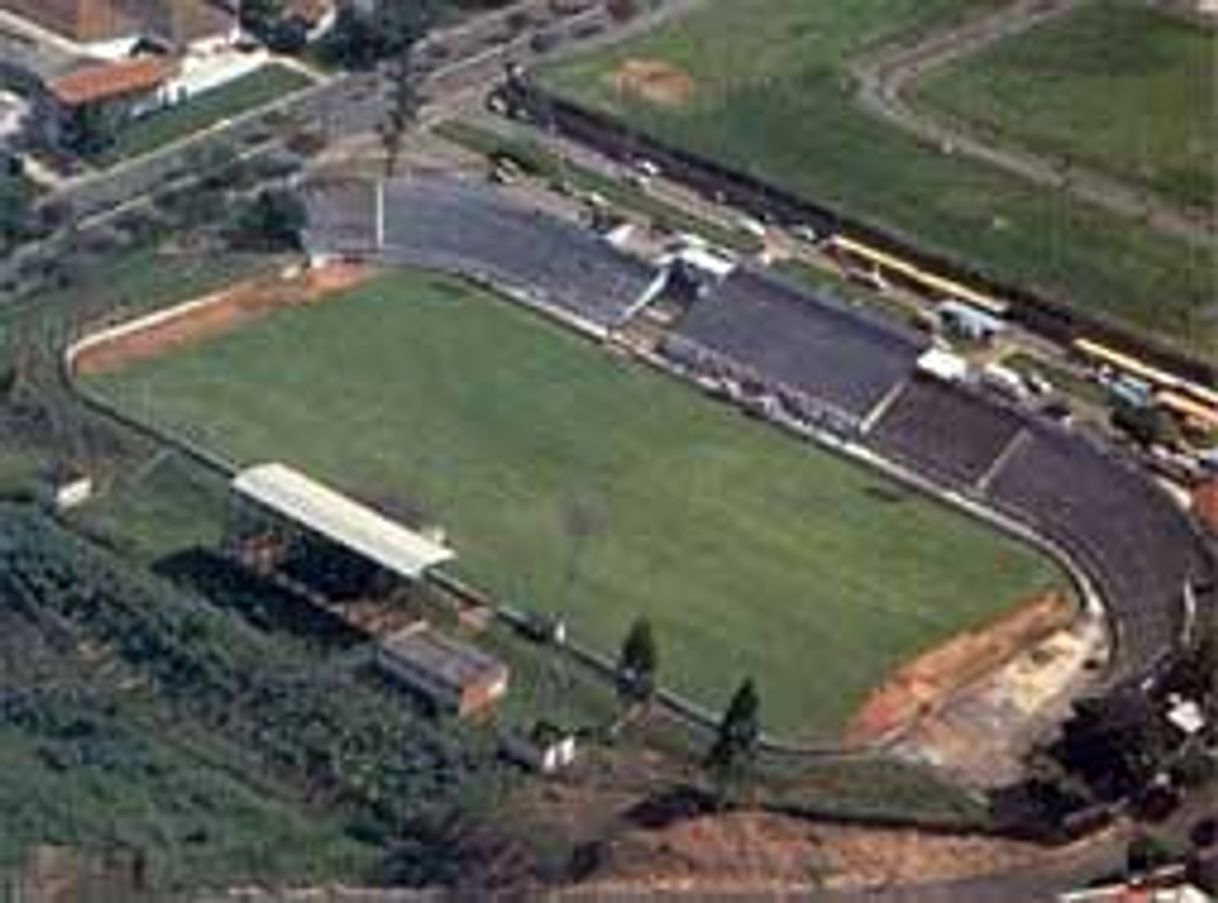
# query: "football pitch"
766 87
575 482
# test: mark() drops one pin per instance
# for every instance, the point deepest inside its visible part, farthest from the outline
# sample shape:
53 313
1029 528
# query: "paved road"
883 78
344 105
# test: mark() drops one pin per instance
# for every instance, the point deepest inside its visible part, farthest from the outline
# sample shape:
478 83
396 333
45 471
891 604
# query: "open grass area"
765 87
577 483
196 114
1115 85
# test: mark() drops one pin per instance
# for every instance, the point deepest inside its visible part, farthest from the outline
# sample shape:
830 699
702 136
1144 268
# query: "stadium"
611 490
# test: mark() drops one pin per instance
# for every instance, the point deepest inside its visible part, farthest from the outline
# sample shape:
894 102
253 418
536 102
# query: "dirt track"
209 316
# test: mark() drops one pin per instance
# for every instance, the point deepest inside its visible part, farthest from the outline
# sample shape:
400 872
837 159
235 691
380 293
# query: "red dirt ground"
925 684
214 315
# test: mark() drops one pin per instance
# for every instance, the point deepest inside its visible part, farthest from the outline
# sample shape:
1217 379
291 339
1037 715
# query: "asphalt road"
340 106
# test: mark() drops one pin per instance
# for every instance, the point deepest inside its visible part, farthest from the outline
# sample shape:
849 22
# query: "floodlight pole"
380 214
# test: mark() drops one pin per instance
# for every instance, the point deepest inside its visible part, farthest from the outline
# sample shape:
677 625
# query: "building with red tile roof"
1205 504
123 79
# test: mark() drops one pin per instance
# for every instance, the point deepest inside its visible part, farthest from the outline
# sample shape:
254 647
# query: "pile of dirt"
654 81
753 852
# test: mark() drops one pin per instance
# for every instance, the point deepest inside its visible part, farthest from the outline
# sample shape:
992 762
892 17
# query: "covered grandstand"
472 230
1135 544
279 517
945 431
1135 541
831 354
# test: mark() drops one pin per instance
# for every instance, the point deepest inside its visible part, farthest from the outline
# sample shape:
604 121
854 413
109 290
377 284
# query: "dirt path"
884 76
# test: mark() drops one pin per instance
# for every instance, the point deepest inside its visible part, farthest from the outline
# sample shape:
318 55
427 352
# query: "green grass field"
1114 85
253 90
578 483
770 93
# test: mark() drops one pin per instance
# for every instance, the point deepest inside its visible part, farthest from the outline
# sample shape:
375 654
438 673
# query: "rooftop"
451 661
341 520
101 81
1205 503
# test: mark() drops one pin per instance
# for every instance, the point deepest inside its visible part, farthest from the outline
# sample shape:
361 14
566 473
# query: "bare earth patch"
210 316
749 854
926 684
981 737
654 81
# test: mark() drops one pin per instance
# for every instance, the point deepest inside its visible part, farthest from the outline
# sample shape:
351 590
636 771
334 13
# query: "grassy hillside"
1114 85
138 718
574 483
765 86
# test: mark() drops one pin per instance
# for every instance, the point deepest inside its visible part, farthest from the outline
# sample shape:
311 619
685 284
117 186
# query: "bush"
272 221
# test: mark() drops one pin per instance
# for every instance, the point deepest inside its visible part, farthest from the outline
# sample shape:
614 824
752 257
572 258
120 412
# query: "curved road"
883 77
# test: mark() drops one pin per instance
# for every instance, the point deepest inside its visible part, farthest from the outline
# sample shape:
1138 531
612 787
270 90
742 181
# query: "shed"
545 747
970 322
453 675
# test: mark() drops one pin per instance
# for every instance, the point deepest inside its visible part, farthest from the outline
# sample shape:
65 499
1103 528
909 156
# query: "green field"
769 92
578 483
1114 85
158 129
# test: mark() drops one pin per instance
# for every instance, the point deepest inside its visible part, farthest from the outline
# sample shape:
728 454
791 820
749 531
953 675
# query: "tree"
1146 424
404 103
1145 853
636 666
359 39
352 42
14 209
737 739
1115 743
93 128
258 17
274 220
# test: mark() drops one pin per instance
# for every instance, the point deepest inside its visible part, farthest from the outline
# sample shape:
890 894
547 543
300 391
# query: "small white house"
72 493
546 748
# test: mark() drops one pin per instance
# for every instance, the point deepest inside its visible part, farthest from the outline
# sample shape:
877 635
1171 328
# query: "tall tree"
14 208
1114 742
636 666
404 102
737 739
273 221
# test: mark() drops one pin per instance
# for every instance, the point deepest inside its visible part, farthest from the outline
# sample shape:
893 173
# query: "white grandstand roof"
341 520
943 364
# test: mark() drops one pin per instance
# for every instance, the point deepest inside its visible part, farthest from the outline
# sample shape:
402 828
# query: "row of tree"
734 749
